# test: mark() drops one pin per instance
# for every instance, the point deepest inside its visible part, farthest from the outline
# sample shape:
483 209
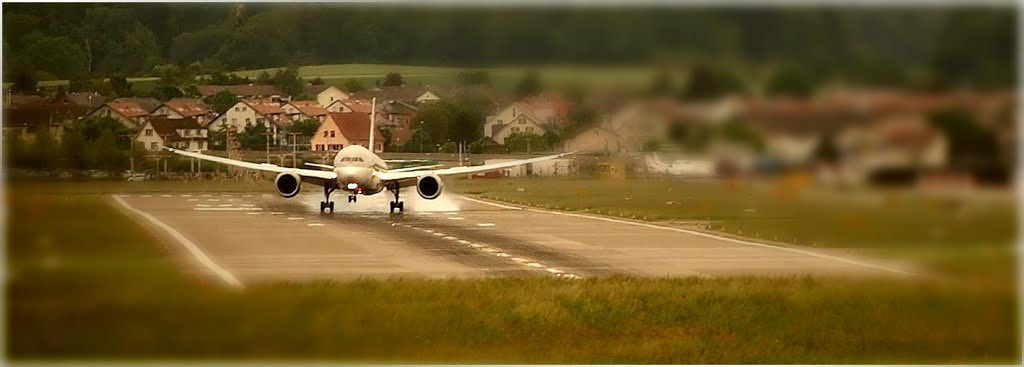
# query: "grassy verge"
85 281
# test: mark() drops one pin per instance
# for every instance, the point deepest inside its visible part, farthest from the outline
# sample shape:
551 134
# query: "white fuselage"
357 169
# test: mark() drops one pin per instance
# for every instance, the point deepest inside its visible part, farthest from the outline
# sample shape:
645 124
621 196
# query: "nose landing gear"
352 198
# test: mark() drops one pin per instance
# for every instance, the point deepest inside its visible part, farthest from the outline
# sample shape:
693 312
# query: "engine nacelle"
429 187
288 184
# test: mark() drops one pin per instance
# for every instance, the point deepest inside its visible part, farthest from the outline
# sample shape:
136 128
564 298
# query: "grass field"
503 78
84 281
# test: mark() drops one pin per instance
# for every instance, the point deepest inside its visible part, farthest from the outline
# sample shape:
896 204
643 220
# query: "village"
850 136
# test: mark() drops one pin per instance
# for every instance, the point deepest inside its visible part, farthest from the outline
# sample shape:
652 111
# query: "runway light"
352 185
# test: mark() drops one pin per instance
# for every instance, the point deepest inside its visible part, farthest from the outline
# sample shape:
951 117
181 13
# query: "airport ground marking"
199 255
227 209
717 237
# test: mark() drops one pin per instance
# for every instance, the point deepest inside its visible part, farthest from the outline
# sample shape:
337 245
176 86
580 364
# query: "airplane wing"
324 166
416 168
318 177
405 175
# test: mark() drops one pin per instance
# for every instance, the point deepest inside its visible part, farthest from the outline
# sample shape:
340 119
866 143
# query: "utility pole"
421 136
268 134
294 145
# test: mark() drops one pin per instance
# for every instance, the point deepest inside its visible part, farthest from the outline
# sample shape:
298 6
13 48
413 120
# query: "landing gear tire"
328 206
397 205
352 198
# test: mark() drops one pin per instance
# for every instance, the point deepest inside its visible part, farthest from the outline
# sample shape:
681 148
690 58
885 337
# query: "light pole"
421 136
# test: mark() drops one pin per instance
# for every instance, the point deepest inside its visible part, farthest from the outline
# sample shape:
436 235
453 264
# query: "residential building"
343 129
128 111
326 94
186 108
253 111
524 123
400 113
404 93
88 100
178 133
28 120
245 91
339 106
305 110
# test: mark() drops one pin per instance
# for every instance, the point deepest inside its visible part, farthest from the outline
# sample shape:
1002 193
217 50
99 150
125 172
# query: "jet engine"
429 187
288 184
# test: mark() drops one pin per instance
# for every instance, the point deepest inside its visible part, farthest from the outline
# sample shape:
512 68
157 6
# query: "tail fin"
373 121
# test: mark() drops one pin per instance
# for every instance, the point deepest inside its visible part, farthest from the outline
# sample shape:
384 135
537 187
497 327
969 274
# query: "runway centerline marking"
485 224
717 237
224 275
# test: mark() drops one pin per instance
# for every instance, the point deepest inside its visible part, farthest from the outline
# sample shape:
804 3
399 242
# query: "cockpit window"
351 159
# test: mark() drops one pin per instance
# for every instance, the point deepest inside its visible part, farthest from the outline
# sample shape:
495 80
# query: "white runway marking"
145 196
186 195
253 213
294 218
721 238
165 196
491 204
456 218
223 205
212 199
192 248
206 195
227 209
203 205
276 213
314 224
485 224
192 200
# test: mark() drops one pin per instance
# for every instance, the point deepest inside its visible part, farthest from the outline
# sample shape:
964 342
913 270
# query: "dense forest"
947 45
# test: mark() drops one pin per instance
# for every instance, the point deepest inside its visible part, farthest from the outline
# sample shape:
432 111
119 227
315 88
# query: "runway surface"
257 237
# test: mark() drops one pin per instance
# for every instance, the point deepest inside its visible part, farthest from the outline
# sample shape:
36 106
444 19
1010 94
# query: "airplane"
359 171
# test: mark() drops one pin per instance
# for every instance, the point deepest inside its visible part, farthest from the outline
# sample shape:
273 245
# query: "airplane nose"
357 175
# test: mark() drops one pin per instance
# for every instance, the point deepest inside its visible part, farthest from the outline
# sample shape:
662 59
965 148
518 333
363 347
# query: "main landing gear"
352 198
328 204
396 204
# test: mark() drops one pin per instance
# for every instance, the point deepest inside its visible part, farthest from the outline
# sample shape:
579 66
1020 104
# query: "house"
894 142
404 93
186 108
305 110
521 122
179 133
339 106
517 117
551 107
360 106
245 91
88 100
28 120
126 110
253 111
147 103
18 99
596 139
400 113
326 94
343 129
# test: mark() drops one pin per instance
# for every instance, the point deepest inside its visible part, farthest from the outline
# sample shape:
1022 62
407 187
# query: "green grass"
85 281
553 76
773 210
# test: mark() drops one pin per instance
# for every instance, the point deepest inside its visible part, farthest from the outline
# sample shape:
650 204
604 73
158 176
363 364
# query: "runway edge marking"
708 235
224 275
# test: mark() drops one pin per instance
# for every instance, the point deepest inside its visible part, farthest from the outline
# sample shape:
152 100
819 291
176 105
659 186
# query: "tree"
24 83
790 82
317 81
58 55
740 132
826 150
15 151
971 146
73 147
306 128
223 100
393 80
526 142
289 81
93 127
166 91
436 121
107 155
707 82
252 137
121 86
353 85
529 85
264 78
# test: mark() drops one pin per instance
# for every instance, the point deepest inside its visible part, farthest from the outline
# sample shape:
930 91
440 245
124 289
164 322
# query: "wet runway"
257 237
